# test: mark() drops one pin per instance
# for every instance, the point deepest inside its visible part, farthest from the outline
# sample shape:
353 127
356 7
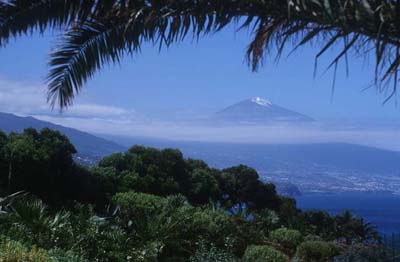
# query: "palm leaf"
85 49
19 17
101 32
7 201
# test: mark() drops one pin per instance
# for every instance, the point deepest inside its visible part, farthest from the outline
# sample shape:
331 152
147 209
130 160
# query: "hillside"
323 167
89 147
343 156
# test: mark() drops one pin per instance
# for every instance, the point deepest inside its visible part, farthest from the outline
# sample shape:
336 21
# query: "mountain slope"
295 157
323 167
258 110
272 157
86 144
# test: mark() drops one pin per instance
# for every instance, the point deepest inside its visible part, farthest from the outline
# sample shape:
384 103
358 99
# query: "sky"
190 79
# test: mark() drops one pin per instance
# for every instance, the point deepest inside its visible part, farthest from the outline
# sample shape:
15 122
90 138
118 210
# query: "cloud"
111 126
21 98
288 134
28 99
98 111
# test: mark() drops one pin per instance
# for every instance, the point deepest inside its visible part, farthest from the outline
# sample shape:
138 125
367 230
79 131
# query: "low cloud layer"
24 99
387 138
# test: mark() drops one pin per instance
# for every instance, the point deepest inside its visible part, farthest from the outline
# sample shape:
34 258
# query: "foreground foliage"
315 251
155 205
263 253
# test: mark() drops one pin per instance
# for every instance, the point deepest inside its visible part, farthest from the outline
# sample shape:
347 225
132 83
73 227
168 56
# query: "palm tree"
99 32
367 231
7 202
31 219
353 228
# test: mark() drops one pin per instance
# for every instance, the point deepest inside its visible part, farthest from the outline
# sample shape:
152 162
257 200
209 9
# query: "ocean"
382 210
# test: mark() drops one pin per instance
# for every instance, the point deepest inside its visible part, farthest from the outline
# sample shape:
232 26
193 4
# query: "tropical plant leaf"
101 32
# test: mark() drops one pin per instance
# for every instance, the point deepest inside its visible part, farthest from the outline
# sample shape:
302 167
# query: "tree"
115 161
204 187
3 140
354 229
242 190
161 172
3 162
38 161
320 223
101 32
19 149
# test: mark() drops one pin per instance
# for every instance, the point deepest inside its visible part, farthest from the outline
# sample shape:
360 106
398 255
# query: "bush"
287 238
210 253
362 253
210 223
146 253
59 255
32 224
12 251
311 237
138 204
266 220
263 254
317 251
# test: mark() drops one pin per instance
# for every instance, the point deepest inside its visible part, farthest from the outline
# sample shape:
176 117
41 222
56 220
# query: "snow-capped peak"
261 101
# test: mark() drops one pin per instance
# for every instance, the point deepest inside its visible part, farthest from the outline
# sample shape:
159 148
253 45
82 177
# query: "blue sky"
195 79
207 76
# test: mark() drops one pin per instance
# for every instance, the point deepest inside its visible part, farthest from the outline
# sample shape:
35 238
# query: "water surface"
383 210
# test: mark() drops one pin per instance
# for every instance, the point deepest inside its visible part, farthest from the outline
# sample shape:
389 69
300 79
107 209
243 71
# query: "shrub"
102 242
317 251
59 255
263 254
210 253
267 218
193 224
31 223
287 238
12 251
132 203
211 223
146 253
361 253
311 237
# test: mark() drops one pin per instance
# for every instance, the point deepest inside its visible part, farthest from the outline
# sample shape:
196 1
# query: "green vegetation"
287 238
12 251
155 205
317 251
263 254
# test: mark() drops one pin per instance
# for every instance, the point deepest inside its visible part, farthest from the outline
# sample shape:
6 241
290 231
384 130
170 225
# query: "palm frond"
19 17
7 201
360 26
100 32
85 49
